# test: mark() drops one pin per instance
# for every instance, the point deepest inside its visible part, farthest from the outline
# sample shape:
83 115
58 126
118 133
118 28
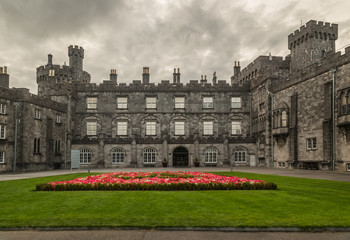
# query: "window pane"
122 128
151 102
235 102
236 128
314 143
150 128
179 102
91 128
122 102
284 119
207 102
179 128
208 128
2 109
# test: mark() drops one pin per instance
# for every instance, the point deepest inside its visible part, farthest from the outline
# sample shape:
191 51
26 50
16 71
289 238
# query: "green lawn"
297 203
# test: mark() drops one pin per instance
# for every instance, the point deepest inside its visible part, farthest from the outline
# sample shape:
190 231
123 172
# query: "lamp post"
15 148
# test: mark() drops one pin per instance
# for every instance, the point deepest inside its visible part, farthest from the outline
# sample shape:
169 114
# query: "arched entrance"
180 157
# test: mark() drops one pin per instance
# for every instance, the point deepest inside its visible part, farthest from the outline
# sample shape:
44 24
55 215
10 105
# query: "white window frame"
348 167
122 103
208 127
2 157
2 131
122 128
2 108
151 128
118 156
58 118
149 156
179 128
85 156
210 155
236 102
91 102
91 128
240 155
208 102
151 102
236 127
37 114
311 143
179 102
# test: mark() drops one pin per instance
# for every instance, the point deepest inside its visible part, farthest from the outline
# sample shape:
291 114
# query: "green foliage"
298 202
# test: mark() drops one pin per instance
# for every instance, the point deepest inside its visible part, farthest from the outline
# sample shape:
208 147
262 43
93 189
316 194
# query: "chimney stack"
236 69
113 76
4 77
214 78
145 75
176 76
203 80
49 59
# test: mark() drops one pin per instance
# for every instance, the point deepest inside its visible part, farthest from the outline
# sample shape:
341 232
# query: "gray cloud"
198 36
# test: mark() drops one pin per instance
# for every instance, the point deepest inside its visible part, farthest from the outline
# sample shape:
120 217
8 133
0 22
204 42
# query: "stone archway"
180 157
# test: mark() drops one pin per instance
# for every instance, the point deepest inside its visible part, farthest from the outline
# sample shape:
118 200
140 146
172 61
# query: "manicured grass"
297 203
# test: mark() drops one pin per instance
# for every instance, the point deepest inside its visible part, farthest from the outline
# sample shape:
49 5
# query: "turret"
311 43
113 76
176 76
4 77
145 75
76 56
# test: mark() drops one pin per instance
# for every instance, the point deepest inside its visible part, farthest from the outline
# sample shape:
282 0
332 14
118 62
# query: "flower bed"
160 181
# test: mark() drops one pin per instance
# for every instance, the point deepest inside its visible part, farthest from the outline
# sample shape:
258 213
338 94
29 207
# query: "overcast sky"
198 36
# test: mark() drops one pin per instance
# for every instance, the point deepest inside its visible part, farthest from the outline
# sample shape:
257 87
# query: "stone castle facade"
290 112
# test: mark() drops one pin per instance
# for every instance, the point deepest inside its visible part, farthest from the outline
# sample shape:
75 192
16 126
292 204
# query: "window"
240 154
179 102
51 72
150 128
236 128
2 157
348 167
85 156
235 102
179 128
37 114
122 128
210 155
208 128
57 147
91 102
122 102
91 128
284 119
36 145
311 143
2 108
2 131
149 155
208 102
58 118
118 155
151 102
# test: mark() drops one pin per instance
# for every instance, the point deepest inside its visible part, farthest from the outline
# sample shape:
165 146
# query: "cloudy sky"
197 36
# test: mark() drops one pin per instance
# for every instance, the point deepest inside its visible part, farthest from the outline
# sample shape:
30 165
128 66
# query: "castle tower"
76 56
311 43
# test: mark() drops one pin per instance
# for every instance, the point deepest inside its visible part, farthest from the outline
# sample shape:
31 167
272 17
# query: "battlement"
313 30
75 51
331 60
164 86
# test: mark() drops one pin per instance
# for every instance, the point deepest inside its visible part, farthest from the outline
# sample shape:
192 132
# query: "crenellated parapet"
313 30
330 60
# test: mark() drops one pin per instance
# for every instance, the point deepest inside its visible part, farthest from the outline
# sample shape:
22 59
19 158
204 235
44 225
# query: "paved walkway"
169 235
328 175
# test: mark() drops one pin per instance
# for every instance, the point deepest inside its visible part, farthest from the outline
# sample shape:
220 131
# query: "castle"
291 112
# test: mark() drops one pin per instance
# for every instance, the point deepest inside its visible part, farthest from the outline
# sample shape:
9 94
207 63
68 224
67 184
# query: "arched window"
210 155
240 154
284 118
149 155
118 155
85 155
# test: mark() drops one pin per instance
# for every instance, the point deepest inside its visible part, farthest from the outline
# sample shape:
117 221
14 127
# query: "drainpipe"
250 114
16 128
334 70
271 114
